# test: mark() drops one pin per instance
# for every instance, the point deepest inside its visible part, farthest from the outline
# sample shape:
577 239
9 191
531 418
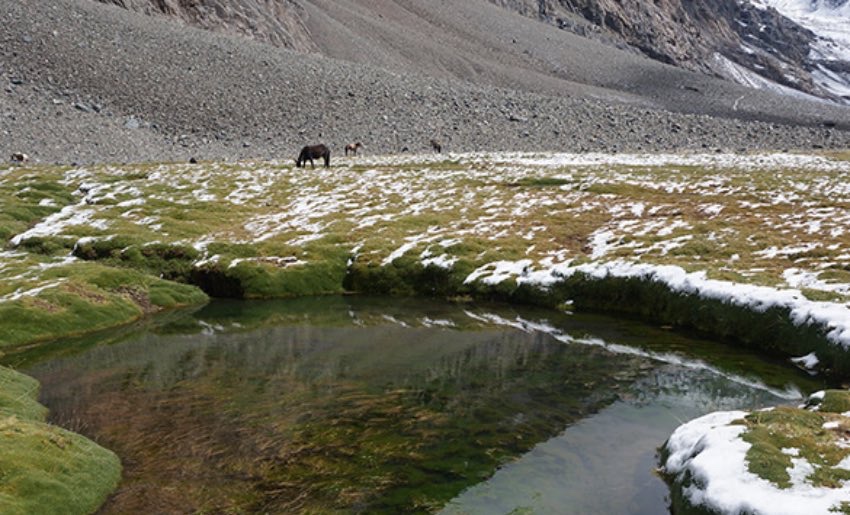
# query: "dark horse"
309 153
436 146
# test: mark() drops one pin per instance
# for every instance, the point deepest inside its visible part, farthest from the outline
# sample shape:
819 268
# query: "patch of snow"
746 77
394 320
677 224
132 202
496 272
430 322
799 470
442 261
809 361
712 452
210 260
75 214
285 261
32 292
772 252
844 464
711 210
797 278
600 243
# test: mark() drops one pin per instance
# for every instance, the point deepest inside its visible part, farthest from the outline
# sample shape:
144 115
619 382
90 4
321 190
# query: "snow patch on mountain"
745 76
830 54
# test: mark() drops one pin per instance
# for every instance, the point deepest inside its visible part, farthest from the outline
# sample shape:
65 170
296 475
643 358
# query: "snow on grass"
278 261
808 362
708 457
32 292
797 278
74 215
700 223
834 316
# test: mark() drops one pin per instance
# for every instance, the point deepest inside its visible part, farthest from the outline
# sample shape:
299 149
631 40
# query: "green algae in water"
363 405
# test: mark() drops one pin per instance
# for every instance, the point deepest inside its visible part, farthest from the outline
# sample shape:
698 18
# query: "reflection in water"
377 406
603 464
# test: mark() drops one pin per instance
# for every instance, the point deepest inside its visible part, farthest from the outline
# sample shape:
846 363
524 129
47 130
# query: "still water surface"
393 406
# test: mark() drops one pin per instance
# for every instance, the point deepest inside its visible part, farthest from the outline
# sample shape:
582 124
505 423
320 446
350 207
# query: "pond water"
349 404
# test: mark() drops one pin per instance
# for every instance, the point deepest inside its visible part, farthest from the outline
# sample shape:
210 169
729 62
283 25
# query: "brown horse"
309 153
352 147
435 146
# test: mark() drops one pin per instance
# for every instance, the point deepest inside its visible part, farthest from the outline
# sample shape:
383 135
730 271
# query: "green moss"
92 297
46 469
18 393
47 245
835 401
821 296
792 428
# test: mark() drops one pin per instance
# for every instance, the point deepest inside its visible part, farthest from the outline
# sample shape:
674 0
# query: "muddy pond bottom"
393 406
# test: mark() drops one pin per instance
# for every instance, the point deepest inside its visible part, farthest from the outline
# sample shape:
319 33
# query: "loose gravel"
84 82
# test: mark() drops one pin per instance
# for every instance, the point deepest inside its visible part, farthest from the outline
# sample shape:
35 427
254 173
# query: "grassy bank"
45 468
99 246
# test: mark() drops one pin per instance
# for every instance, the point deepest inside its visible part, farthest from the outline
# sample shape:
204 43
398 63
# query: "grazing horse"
435 146
352 147
309 153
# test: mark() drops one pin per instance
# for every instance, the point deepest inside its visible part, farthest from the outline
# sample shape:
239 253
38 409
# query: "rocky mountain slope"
87 81
760 43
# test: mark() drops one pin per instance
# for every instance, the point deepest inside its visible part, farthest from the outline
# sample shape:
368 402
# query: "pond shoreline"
281 338
771 330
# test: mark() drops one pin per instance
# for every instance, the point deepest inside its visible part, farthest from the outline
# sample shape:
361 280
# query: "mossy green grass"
46 469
